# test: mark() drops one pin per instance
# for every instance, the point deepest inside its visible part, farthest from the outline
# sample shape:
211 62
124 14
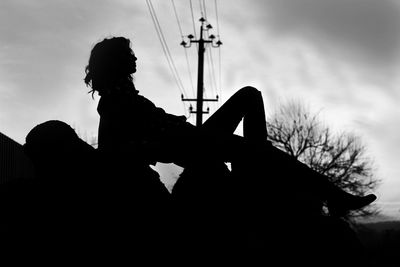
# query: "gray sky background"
340 57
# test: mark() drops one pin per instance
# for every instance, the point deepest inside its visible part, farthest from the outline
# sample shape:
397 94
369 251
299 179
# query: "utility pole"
200 71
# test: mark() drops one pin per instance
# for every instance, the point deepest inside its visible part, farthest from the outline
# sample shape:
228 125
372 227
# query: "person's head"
56 150
111 63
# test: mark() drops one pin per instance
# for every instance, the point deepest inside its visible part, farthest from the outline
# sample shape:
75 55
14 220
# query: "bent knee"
249 91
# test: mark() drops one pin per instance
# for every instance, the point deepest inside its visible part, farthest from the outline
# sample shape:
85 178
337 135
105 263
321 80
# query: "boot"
341 203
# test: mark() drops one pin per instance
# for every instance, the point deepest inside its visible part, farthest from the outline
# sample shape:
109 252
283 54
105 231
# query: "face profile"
111 65
133 66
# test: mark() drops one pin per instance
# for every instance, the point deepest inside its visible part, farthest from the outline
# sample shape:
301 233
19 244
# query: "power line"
217 93
219 74
165 48
213 83
177 19
219 52
194 27
186 55
211 75
201 9
210 59
211 66
189 71
216 16
205 9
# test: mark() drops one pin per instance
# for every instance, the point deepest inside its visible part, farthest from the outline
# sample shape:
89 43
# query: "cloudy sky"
340 57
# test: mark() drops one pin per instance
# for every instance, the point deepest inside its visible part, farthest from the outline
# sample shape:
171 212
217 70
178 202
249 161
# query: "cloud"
361 32
44 47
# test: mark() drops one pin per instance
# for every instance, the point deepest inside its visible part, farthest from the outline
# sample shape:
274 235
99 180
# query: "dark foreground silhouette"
83 204
258 226
113 198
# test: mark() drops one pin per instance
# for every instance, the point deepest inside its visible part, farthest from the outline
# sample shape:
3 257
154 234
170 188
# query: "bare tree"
341 157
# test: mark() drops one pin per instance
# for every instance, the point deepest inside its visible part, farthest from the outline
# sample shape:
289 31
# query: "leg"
303 181
246 104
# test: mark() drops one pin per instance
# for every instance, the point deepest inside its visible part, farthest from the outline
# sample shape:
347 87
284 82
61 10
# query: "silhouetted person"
52 215
82 203
132 126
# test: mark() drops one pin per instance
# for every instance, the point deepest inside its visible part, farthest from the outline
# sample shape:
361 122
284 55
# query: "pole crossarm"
207 99
195 111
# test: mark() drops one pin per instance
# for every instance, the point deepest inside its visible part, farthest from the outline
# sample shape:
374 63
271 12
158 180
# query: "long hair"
109 65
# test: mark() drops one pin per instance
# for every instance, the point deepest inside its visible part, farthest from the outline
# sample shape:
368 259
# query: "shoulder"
143 101
115 102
